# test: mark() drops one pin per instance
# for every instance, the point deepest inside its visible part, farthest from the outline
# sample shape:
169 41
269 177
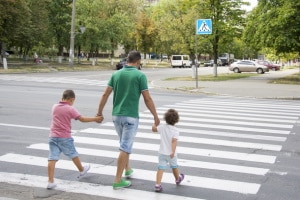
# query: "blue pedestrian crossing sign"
203 26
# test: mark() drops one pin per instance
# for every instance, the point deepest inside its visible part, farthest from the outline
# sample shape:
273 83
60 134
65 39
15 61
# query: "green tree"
178 25
228 22
108 22
35 32
274 24
60 22
13 18
145 33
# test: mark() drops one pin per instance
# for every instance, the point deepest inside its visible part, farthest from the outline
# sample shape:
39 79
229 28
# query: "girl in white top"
169 135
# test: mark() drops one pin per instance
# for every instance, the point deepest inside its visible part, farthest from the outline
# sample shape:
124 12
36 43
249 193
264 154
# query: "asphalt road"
232 147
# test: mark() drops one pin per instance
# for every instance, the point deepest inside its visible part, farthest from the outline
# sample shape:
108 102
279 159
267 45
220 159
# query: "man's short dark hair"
68 94
134 56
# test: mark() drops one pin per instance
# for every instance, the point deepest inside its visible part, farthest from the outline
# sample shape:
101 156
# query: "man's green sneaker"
128 173
122 184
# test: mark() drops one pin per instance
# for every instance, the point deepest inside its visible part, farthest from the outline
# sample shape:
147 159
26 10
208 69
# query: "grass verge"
220 77
292 80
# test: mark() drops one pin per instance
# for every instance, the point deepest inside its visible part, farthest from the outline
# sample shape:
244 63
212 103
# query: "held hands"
99 119
154 128
156 121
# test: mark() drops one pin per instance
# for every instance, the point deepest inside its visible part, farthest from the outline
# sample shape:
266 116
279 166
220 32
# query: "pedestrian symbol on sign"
204 26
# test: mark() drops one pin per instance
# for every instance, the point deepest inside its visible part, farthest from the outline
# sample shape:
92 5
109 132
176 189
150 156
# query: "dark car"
268 64
210 63
123 62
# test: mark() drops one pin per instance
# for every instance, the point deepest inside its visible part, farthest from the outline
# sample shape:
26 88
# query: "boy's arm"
91 119
174 144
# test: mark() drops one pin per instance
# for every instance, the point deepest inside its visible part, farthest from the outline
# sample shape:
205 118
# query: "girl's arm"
174 144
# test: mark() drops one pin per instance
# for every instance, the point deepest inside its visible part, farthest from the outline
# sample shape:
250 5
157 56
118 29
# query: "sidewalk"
254 87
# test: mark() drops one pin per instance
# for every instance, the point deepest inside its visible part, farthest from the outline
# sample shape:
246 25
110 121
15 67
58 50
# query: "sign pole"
196 61
203 26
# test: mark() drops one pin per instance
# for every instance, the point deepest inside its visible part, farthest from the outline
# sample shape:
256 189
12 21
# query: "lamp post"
71 54
73 34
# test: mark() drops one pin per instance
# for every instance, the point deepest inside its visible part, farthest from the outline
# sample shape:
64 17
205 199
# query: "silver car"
247 66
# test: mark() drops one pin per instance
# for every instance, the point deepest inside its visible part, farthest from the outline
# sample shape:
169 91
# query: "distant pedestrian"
169 134
60 139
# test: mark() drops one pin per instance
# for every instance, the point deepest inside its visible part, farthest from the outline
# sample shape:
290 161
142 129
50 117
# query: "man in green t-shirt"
127 85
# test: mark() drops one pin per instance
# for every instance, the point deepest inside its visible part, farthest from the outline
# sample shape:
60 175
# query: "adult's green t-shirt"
128 84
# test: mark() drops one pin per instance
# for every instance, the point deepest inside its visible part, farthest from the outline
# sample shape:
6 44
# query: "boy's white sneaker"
51 185
86 168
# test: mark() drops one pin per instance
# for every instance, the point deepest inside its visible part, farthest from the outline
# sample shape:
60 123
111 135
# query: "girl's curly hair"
171 117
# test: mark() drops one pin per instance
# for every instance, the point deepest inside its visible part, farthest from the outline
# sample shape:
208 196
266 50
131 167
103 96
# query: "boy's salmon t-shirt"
62 114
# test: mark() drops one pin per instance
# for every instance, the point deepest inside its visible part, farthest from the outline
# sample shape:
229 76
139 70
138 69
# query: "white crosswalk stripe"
69 80
242 137
87 188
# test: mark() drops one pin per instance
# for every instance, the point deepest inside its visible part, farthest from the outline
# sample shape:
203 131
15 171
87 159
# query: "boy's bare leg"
78 164
122 163
51 168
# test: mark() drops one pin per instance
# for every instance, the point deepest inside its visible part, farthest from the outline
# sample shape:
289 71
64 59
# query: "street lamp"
82 29
71 54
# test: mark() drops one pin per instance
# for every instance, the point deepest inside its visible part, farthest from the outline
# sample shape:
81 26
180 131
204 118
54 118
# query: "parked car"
180 61
269 64
164 56
210 63
247 66
123 62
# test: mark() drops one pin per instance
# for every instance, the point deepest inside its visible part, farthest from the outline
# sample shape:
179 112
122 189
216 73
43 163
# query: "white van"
180 61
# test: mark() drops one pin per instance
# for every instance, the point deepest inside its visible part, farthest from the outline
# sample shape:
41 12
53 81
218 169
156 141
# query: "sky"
253 4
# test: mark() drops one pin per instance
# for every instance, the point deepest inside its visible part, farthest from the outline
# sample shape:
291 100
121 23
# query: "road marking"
192 181
257 123
77 81
227 127
216 114
217 133
87 188
153 159
23 126
197 140
216 117
251 157
291 113
248 102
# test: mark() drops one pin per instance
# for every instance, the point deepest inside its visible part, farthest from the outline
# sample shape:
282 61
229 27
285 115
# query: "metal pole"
196 61
71 55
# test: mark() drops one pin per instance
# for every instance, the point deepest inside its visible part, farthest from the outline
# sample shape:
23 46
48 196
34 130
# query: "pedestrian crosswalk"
64 80
41 79
226 147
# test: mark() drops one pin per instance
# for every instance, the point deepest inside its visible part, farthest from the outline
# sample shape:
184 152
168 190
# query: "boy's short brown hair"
171 117
68 94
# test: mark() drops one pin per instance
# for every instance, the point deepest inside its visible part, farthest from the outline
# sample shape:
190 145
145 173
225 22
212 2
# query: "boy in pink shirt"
60 139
